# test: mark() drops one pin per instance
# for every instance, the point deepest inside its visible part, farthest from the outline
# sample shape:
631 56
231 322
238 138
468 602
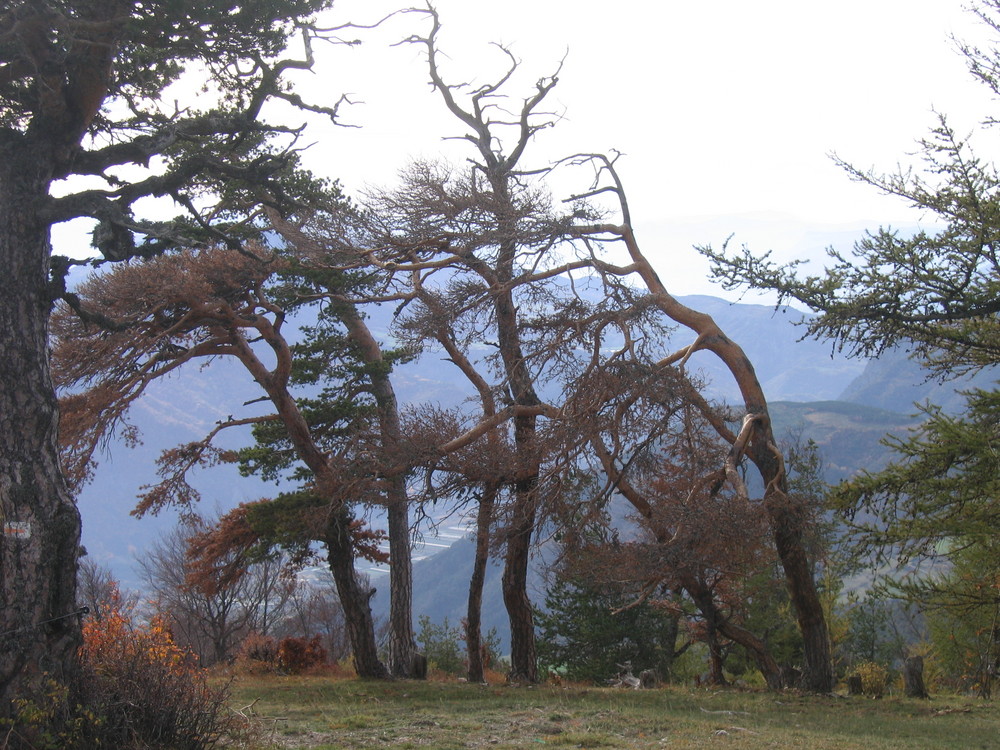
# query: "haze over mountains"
845 405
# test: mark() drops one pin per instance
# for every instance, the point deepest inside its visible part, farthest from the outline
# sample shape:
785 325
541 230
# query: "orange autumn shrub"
146 691
112 636
258 654
297 655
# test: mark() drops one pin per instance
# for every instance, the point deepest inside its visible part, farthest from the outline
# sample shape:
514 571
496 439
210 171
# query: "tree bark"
474 611
788 530
355 599
523 659
39 543
913 677
402 645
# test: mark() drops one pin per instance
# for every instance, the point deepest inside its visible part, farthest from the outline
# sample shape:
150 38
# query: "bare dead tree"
208 615
493 225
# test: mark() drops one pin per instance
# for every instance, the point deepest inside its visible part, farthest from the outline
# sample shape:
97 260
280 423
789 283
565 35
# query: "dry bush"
258 654
144 691
298 655
874 678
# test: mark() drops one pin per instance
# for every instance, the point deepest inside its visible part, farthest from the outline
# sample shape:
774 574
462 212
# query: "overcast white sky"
727 110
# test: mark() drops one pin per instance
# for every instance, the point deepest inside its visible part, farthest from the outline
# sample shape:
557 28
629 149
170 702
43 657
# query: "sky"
727 112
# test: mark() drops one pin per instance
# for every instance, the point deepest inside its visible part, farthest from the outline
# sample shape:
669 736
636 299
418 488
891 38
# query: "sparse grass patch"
328 712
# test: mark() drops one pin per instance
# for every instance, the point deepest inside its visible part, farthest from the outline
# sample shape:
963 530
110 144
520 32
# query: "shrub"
144 690
258 654
296 655
441 645
874 678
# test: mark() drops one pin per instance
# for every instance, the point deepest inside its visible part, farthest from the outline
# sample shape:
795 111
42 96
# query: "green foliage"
935 291
939 496
442 645
579 634
46 722
870 635
963 615
212 149
767 612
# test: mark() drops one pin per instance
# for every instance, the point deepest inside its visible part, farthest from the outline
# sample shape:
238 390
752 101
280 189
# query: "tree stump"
913 677
791 677
854 684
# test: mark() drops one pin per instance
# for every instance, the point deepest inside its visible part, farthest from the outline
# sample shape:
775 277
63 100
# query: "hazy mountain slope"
789 368
896 382
848 435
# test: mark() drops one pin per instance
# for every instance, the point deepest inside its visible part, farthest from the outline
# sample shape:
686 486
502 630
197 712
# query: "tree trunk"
474 612
786 521
40 539
913 677
665 665
402 646
523 659
355 599
789 541
716 675
705 601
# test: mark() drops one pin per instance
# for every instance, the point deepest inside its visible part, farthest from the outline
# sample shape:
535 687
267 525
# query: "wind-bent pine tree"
194 306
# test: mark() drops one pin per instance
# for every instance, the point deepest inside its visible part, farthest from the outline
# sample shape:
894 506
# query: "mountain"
896 382
789 367
184 407
848 435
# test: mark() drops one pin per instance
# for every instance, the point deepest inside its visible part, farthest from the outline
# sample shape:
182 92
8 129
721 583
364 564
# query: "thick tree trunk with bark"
402 645
39 543
523 659
355 599
789 533
913 677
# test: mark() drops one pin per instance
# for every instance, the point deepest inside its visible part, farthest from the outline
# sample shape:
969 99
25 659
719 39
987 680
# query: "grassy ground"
324 713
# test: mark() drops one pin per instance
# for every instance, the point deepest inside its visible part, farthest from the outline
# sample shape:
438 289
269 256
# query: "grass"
323 713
